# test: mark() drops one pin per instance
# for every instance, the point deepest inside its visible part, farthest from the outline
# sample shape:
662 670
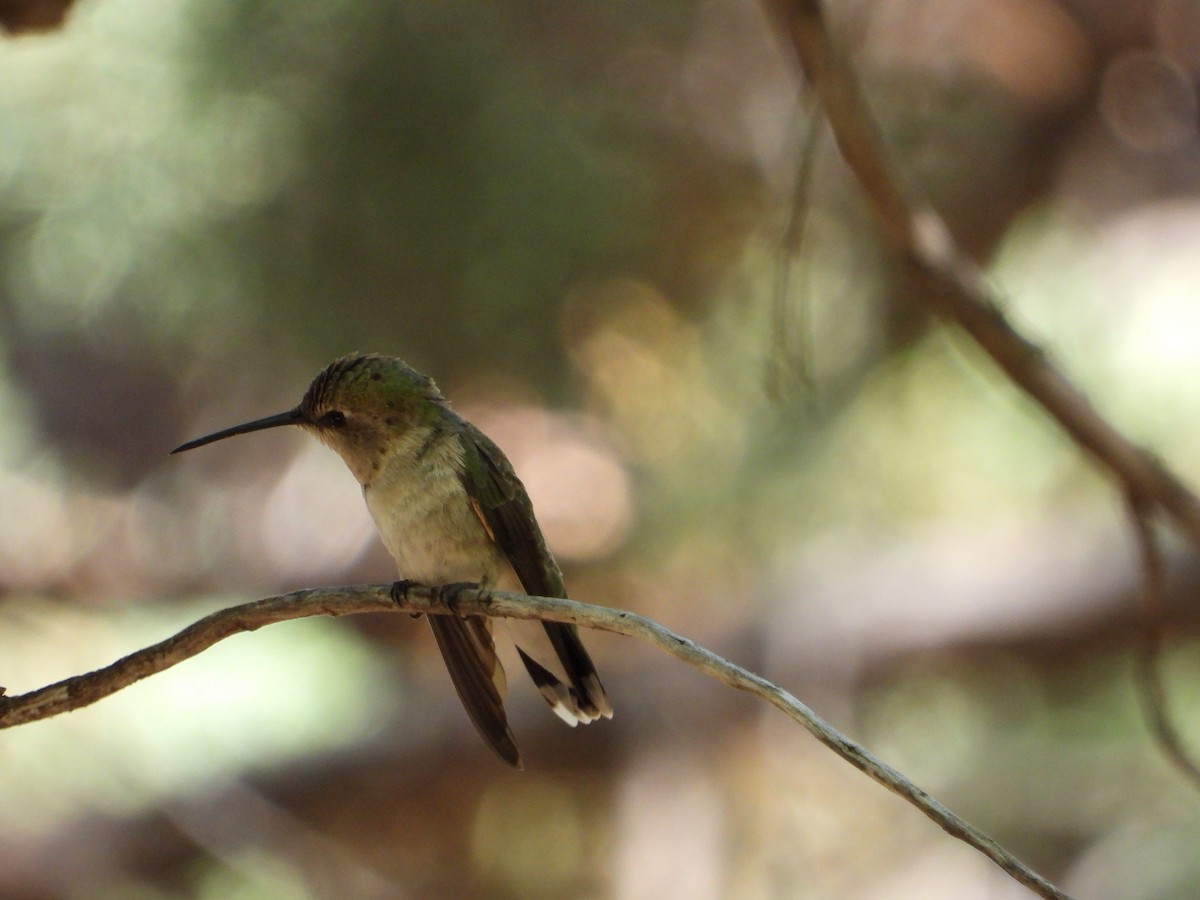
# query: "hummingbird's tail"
584 699
470 655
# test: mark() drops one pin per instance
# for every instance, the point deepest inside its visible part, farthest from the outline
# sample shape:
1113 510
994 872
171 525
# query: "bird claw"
448 594
399 589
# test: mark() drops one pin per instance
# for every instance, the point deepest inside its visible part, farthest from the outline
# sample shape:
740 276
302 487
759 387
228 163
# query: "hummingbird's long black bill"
291 417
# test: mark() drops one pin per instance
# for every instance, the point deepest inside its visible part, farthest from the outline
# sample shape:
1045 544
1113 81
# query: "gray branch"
86 689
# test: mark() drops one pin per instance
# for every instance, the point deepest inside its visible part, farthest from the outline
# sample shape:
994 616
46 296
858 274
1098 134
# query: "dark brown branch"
83 690
31 16
950 283
1153 692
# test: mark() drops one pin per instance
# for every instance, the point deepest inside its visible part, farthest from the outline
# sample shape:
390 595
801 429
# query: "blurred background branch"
22 16
950 284
1153 599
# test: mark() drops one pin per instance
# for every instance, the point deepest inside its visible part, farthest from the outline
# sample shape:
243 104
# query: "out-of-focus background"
573 215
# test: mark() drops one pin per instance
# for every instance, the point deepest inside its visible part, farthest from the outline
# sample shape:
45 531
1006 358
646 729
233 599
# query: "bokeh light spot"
1148 102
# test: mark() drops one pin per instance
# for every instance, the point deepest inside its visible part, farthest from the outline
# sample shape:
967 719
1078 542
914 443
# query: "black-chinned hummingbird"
450 509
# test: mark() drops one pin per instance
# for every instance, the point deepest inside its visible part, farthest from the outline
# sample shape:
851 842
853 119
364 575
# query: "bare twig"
1153 692
83 690
791 363
950 283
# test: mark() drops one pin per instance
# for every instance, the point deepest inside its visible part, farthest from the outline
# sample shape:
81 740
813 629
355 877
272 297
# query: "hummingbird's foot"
399 589
448 593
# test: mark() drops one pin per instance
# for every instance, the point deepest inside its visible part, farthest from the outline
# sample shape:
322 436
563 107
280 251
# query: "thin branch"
83 690
1153 691
950 283
791 363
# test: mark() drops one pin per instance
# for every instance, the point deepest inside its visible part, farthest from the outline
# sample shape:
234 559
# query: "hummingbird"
451 512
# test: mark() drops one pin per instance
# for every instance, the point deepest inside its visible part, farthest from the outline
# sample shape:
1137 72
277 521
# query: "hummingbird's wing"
500 501
470 656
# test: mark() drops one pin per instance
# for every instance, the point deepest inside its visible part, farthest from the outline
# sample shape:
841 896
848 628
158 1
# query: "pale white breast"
424 515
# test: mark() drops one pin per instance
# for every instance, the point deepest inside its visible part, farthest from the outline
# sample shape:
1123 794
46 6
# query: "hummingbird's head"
360 405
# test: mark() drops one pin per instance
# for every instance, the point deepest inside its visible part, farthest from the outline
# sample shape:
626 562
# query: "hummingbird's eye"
335 418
